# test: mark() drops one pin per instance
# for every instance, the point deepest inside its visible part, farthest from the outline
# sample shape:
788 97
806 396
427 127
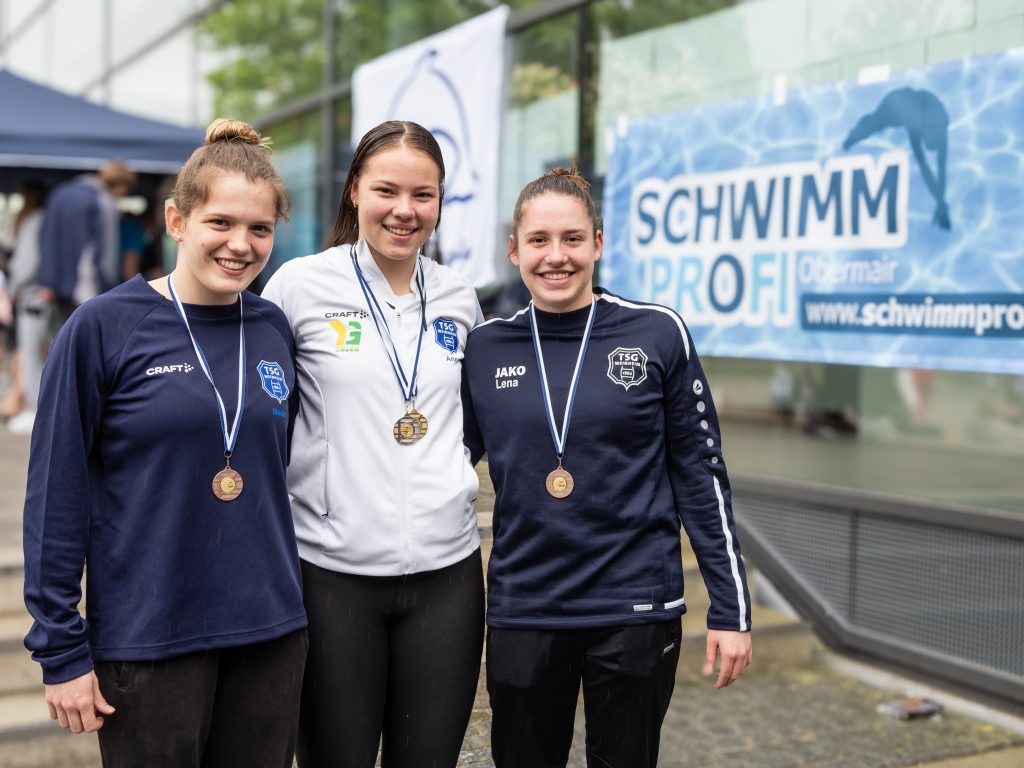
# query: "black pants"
534 677
397 656
226 708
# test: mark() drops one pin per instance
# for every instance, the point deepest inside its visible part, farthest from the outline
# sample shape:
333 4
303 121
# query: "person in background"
32 312
158 462
12 399
585 580
6 305
381 489
132 243
79 252
141 243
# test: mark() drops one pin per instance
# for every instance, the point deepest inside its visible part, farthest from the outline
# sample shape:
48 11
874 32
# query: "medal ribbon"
409 386
232 436
556 438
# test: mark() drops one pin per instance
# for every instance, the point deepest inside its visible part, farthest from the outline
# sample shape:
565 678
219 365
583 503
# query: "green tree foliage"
274 49
275 53
617 18
369 28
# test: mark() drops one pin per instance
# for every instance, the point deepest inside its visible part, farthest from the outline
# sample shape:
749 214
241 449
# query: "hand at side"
78 704
734 651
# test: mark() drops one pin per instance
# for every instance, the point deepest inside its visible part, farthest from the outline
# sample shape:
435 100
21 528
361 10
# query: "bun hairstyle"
231 146
558 181
387 135
227 129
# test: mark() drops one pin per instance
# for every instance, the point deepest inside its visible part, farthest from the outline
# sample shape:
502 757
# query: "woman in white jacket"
382 491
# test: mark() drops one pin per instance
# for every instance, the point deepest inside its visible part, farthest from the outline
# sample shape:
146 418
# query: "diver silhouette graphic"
926 121
427 91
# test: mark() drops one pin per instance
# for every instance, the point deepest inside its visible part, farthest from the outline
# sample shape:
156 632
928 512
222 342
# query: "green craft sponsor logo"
348 335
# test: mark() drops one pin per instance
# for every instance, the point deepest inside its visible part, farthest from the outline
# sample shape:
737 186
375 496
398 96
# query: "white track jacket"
363 503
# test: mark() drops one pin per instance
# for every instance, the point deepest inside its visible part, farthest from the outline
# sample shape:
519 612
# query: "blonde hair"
231 146
559 181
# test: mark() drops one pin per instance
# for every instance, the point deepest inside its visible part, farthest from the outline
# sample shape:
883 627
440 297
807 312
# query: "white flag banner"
451 84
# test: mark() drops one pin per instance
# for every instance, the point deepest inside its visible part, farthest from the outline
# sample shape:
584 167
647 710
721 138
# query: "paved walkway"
810 715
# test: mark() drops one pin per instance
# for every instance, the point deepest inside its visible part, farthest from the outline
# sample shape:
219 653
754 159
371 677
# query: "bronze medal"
410 428
559 483
227 484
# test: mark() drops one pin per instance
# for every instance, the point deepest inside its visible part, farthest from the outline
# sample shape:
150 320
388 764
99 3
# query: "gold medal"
410 428
559 483
422 420
413 426
227 484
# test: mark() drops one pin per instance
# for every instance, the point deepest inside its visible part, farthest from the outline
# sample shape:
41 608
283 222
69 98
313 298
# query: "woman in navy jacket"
158 464
585 580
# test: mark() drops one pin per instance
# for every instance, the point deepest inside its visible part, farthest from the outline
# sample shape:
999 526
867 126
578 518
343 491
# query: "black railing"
937 590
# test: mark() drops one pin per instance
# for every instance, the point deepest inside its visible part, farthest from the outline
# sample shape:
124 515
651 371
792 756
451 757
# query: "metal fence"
934 589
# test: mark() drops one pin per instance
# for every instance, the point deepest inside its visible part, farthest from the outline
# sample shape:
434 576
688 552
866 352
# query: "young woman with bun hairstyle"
601 439
382 491
157 464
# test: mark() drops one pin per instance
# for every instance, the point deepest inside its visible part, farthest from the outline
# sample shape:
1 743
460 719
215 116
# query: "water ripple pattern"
878 224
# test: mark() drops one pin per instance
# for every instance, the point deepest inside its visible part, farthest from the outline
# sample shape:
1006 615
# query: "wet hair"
387 135
232 146
558 181
116 173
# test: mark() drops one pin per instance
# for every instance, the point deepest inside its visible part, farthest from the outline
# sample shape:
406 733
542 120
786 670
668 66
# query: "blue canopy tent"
42 128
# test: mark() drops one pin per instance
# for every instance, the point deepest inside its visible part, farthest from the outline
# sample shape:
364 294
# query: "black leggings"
224 708
534 677
391 655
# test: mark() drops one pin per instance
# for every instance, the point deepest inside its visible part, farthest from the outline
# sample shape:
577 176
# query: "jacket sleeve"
274 292
294 401
48 273
471 437
103 219
57 502
700 485
69 224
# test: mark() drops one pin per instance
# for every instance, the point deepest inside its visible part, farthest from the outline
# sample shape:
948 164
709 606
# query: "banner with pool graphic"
878 224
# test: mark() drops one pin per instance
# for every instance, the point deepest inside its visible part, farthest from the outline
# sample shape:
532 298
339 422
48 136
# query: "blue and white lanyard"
408 385
232 436
560 439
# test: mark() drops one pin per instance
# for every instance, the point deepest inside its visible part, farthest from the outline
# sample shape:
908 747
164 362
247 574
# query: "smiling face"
398 200
224 243
555 248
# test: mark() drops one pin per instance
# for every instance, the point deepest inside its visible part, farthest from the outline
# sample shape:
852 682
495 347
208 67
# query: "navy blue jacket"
124 449
73 221
645 453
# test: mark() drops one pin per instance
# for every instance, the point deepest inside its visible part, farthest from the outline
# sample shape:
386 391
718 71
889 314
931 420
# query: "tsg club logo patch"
446 334
627 366
272 376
